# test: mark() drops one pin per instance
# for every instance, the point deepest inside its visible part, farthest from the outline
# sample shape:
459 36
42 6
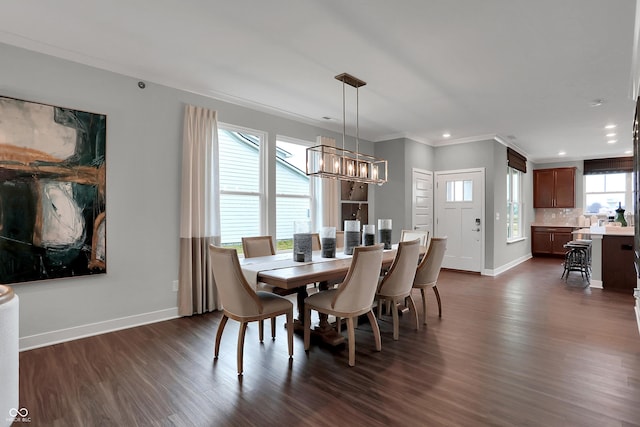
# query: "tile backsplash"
557 216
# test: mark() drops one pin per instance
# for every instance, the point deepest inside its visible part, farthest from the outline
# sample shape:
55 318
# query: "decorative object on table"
302 243
328 242
620 216
53 192
384 232
351 236
368 235
338 163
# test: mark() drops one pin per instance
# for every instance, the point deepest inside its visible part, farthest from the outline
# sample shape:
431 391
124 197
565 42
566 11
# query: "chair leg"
221 326
273 328
412 307
241 333
376 330
261 330
435 289
339 324
307 327
424 304
396 323
351 336
380 302
290 332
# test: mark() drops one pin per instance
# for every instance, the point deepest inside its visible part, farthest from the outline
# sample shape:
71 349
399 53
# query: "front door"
460 217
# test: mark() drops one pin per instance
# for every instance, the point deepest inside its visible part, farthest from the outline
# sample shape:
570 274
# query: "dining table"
282 271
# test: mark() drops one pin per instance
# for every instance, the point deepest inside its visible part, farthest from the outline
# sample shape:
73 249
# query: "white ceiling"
524 70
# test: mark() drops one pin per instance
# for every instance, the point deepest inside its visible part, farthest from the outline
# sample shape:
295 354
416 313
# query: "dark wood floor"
521 349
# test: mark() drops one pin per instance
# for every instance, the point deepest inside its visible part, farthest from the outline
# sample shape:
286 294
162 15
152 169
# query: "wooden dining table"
275 270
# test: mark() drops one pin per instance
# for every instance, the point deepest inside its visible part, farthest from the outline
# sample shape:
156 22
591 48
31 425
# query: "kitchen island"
612 257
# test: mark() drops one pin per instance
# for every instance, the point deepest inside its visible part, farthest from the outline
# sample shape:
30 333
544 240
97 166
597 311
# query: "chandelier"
338 163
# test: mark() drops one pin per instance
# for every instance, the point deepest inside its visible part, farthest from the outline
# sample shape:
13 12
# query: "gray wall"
394 197
144 134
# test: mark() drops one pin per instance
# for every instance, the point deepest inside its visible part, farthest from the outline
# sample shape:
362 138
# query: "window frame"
510 205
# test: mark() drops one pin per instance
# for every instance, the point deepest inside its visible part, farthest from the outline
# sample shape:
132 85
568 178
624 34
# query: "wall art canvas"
52 192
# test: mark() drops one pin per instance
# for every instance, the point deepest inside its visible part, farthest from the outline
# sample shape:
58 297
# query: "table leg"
324 331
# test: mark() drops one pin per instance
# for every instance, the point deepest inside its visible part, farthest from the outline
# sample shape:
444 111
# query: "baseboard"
69 334
597 284
508 266
638 317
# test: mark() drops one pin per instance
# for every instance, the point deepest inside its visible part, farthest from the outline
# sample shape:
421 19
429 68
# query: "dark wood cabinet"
618 270
550 240
554 188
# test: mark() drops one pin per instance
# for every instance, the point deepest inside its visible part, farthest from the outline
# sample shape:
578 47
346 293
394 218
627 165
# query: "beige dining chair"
257 246
396 285
315 242
423 235
339 239
352 298
241 303
428 272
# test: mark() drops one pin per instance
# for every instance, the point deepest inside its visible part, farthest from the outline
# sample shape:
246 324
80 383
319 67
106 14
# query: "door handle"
475 229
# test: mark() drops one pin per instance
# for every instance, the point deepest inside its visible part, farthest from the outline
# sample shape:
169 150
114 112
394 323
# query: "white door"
460 217
422 201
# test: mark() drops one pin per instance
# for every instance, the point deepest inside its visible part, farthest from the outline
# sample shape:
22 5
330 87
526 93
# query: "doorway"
422 201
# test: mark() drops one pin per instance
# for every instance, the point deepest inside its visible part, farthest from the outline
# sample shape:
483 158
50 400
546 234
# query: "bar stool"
578 258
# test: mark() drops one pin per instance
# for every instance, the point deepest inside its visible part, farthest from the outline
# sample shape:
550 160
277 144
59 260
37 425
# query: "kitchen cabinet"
554 188
618 269
550 240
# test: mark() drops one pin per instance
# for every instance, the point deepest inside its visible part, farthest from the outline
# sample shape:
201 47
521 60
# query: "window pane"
290 209
450 191
291 177
605 203
594 183
239 217
615 182
516 186
239 161
468 191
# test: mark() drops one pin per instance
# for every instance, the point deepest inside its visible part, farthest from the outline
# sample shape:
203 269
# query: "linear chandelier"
338 163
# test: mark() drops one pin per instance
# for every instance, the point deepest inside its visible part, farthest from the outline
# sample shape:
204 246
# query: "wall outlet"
174 286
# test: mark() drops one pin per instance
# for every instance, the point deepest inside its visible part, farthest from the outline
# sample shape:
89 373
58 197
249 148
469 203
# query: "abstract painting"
52 192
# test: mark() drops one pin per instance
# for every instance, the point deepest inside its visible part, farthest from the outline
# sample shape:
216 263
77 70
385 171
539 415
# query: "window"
242 198
514 205
604 192
293 189
460 191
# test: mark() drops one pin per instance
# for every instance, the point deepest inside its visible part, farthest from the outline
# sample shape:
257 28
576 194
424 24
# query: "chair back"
235 293
257 246
359 287
399 280
423 235
429 268
315 242
339 239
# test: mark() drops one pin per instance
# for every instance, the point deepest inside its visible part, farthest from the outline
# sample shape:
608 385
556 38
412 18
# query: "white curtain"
329 195
199 211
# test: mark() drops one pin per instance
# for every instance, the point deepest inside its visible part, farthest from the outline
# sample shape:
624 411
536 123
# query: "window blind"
516 160
610 165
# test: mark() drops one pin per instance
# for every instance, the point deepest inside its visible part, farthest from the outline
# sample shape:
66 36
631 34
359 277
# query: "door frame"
436 177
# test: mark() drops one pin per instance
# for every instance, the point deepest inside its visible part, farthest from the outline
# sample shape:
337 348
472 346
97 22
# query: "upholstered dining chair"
339 239
257 246
352 298
241 303
396 285
315 242
428 272
423 235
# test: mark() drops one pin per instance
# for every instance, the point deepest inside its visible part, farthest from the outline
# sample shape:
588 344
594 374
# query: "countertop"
606 231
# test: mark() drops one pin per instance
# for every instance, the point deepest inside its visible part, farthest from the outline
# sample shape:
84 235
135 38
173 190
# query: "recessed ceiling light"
612 141
446 135
609 135
562 153
628 152
610 126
